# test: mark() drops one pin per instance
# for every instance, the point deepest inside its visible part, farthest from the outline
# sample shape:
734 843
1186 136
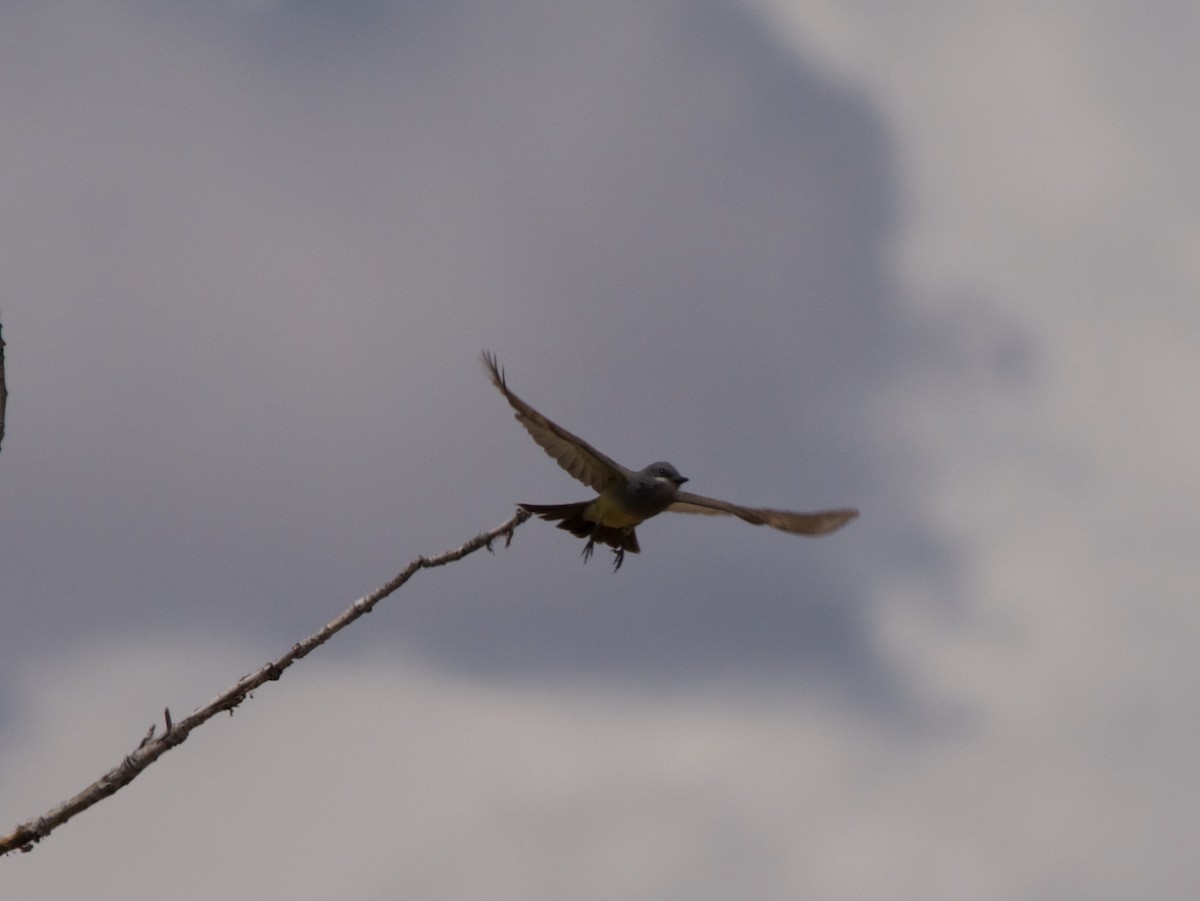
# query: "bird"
627 498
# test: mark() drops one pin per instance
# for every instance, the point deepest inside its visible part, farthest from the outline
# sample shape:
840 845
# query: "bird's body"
627 498
611 516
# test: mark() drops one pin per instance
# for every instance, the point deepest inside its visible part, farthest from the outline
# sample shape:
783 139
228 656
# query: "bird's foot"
587 550
618 558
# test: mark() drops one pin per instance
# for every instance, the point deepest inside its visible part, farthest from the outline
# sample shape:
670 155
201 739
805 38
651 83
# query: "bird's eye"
660 472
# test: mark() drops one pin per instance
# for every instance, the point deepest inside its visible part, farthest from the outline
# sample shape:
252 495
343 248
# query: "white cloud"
1042 146
380 779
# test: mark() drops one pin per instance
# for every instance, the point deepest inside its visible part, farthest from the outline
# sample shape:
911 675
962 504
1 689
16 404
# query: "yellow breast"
606 512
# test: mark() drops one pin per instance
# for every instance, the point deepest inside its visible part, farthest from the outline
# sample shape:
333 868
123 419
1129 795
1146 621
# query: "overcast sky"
939 264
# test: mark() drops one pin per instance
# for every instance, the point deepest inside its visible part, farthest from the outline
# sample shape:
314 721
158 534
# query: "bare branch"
174 733
3 386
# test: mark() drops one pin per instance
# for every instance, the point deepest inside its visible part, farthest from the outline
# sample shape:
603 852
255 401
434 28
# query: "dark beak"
679 480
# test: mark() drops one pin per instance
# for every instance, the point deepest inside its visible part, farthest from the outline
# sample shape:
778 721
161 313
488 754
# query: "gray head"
662 472
652 489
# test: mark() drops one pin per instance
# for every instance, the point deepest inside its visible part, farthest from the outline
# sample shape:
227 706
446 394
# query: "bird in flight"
627 498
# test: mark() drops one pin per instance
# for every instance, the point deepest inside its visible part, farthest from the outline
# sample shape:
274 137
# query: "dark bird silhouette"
627 498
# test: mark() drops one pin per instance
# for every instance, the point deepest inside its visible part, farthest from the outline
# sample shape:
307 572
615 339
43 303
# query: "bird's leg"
618 558
591 543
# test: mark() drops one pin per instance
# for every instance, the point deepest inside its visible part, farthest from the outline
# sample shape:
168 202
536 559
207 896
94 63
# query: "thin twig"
151 747
3 386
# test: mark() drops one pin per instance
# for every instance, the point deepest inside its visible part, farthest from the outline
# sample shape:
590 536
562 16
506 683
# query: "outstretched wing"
572 453
816 523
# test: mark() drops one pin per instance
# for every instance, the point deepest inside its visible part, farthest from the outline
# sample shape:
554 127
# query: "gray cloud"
246 364
251 252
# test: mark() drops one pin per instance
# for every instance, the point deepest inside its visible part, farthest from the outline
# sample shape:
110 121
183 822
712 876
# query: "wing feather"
571 452
816 523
